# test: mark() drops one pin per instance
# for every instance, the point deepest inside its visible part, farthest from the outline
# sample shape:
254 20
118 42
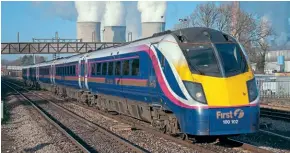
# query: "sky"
34 20
43 19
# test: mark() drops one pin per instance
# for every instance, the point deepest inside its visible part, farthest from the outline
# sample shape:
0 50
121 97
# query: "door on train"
83 72
152 80
37 73
52 73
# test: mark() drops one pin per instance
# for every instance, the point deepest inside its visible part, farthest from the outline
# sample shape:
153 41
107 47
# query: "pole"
33 58
129 35
18 36
56 35
57 40
103 35
161 30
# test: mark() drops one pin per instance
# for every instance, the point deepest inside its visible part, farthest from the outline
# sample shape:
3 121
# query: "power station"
114 34
149 28
89 31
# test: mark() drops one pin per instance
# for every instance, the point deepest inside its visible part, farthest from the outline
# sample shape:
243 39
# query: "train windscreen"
232 58
212 59
202 59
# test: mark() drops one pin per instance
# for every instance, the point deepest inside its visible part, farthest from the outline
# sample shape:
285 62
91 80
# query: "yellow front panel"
230 91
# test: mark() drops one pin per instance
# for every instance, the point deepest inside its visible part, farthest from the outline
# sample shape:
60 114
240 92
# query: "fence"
273 88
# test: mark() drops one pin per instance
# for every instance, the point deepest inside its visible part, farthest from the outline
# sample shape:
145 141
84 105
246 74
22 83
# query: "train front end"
222 84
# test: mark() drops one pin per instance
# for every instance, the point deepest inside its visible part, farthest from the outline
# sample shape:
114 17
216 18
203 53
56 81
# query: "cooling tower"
89 31
115 34
149 28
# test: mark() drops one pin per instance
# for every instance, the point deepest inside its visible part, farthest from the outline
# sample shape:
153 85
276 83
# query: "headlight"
196 91
252 89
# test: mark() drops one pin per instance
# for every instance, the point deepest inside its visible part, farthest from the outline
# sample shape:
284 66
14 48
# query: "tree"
23 61
260 56
205 15
251 31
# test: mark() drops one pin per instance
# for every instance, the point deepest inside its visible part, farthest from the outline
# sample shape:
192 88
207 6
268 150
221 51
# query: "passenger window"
104 69
111 68
135 67
93 69
74 70
98 68
118 68
70 70
126 67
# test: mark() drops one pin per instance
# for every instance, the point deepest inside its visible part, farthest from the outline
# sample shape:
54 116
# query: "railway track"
123 144
188 143
275 114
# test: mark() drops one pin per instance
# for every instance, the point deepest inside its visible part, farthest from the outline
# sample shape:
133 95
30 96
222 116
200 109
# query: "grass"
5 92
6 113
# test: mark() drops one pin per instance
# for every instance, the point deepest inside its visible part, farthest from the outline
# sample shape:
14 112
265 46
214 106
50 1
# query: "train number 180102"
230 121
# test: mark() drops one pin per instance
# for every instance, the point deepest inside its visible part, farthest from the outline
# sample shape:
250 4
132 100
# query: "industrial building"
149 28
89 31
115 34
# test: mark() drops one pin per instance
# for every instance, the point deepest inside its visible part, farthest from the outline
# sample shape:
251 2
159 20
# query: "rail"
118 139
275 114
74 138
187 143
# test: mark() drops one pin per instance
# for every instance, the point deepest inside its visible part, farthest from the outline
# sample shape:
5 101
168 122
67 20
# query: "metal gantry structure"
54 46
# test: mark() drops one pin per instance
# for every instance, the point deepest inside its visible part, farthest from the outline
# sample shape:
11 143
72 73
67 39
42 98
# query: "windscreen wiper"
192 65
195 68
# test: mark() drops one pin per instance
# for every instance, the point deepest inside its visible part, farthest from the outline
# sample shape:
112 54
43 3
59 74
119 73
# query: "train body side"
67 74
152 75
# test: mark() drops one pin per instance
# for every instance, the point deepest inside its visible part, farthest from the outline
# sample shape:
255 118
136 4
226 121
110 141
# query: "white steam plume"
152 11
90 11
115 14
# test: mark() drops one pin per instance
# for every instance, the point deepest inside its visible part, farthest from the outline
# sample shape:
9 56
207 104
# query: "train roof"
193 34
202 35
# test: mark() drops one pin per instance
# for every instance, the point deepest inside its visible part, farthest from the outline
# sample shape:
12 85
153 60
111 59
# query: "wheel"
184 136
166 129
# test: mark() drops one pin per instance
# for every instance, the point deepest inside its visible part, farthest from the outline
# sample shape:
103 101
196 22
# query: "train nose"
225 91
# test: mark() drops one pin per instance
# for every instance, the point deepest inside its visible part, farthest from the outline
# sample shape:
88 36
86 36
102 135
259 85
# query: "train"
193 81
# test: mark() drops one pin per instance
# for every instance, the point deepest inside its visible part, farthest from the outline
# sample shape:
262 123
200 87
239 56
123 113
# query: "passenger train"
194 81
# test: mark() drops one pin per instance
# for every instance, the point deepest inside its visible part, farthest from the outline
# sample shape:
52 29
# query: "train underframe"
158 117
